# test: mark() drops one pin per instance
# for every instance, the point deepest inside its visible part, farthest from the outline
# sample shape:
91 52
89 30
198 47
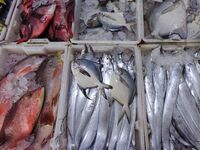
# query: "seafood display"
46 18
172 98
30 88
102 99
107 20
172 19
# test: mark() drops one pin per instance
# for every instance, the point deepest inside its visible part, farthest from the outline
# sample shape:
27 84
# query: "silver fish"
176 135
182 124
193 78
104 114
132 130
85 117
87 75
116 127
91 130
150 91
72 112
170 100
189 111
160 89
113 21
169 18
122 81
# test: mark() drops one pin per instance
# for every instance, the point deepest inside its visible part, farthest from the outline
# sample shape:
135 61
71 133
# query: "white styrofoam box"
76 23
146 49
33 47
60 134
8 19
154 40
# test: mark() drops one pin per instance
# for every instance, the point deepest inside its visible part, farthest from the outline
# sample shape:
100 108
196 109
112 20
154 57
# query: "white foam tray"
148 48
8 19
59 140
75 27
149 40
33 47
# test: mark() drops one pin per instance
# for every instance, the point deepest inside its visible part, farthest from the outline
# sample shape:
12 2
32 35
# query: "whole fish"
192 77
190 111
91 131
169 18
150 92
182 124
49 76
104 114
22 117
122 81
113 21
13 86
170 100
132 128
87 75
71 121
160 89
85 116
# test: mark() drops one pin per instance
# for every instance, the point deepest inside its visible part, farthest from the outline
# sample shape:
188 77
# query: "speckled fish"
22 117
170 100
169 18
123 90
87 75
13 86
113 21
49 76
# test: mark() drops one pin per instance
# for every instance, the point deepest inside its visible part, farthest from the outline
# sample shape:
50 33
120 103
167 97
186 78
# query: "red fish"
12 87
34 24
20 121
60 28
50 77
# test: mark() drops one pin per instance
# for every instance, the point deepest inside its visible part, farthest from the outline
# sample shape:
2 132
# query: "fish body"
22 117
169 18
49 75
160 89
170 100
14 85
87 75
123 90
113 21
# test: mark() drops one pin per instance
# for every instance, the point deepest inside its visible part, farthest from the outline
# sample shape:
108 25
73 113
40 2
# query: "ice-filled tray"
5 16
171 81
23 72
171 21
103 23
82 120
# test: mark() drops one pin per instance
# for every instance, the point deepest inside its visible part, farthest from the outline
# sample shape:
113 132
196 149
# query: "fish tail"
125 110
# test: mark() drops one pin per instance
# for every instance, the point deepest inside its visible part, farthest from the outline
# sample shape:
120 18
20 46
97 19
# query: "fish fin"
84 72
125 110
168 9
103 93
84 92
91 49
182 32
106 86
124 82
47 116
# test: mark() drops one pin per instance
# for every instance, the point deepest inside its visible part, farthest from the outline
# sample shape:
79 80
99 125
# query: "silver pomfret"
123 90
